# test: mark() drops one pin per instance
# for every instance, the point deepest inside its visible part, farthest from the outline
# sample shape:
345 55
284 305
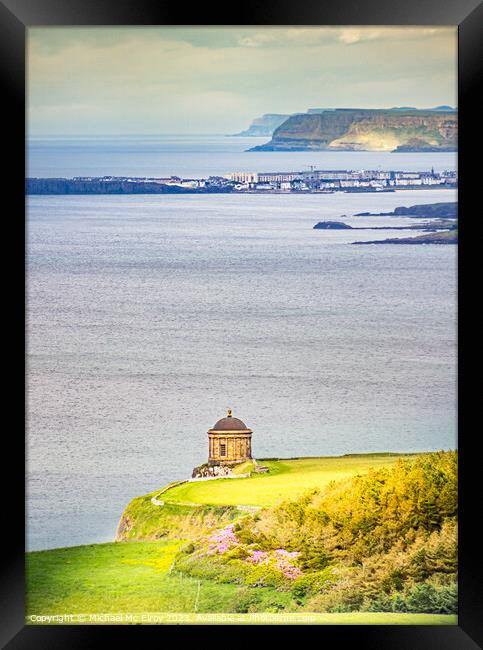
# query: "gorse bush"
432 599
312 583
384 581
361 516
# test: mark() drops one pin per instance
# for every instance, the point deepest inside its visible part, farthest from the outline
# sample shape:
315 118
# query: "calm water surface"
201 156
148 316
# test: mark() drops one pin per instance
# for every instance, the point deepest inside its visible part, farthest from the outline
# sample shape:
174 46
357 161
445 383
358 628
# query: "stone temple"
229 441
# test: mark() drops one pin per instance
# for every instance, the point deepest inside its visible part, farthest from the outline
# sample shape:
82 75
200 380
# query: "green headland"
202 504
357 539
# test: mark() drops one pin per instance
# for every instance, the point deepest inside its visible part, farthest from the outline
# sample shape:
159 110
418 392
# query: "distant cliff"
366 130
265 125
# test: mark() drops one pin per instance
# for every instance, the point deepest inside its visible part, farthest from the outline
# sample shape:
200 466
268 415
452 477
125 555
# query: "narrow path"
191 504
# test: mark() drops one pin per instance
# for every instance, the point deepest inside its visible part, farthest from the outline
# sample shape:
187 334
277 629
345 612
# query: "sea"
148 316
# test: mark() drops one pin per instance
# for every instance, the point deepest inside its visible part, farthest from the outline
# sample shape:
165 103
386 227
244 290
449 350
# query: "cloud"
257 40
325 36
351 35
219 79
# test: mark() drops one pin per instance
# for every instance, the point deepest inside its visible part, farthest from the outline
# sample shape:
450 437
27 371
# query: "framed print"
244 291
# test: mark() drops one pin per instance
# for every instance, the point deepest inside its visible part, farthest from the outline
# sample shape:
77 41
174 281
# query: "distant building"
229 441
190 182
277 177
350 183
265 186
326 174
408 181
243 177
328 180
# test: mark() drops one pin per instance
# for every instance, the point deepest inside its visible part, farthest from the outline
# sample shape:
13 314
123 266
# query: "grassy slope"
135 577
218 499
287 479
142 520
116 577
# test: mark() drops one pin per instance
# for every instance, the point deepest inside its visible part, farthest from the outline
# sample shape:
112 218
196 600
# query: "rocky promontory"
366 130
332 225
447 210
441 238
264 125
116 186
441 226
425 227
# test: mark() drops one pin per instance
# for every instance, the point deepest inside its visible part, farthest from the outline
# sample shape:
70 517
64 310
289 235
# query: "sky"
159 80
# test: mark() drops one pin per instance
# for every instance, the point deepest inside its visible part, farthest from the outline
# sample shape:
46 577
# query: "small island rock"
332 225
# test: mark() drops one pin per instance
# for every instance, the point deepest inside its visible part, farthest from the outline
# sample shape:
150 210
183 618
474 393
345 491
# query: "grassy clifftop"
191 508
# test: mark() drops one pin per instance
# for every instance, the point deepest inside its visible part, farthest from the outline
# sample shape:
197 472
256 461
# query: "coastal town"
310 181
322 180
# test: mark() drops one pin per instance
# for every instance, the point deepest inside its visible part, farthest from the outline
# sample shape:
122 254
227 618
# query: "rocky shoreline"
446 210
441 238
338 225
441 227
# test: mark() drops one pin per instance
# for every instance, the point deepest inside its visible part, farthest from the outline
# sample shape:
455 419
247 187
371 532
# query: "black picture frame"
18 15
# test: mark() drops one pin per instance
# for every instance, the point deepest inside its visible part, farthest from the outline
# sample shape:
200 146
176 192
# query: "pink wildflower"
259 557
222 540
280 559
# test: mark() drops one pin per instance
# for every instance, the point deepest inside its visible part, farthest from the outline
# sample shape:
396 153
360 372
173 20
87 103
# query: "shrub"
428 598
248 600
362 516
311 584
188 549
422 598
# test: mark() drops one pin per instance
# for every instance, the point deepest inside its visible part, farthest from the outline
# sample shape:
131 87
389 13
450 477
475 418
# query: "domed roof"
229 423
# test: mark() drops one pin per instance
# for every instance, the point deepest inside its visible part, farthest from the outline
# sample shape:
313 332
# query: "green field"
287 479
136 578
116 577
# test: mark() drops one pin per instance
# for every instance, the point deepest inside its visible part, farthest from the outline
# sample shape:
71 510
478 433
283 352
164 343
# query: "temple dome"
229 423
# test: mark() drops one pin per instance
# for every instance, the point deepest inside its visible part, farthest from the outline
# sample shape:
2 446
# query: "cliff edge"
366 130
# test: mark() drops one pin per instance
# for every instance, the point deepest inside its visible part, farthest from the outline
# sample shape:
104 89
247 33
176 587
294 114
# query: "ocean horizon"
197 156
